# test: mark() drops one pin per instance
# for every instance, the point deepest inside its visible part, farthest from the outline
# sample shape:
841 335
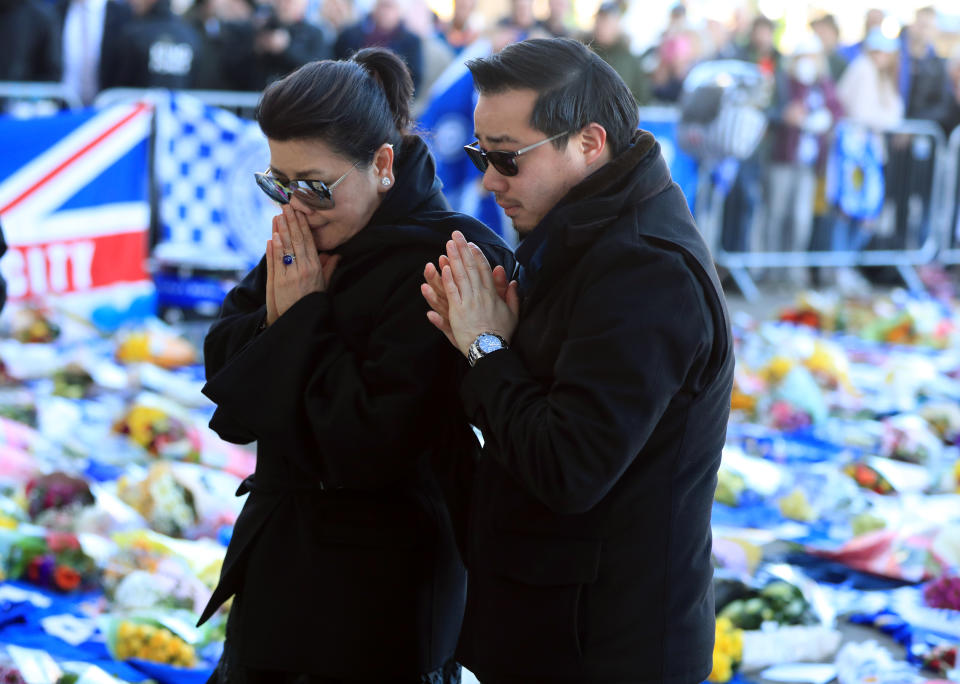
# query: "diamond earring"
385 182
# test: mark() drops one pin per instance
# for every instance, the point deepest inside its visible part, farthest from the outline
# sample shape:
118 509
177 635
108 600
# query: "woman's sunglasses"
504 162
313 193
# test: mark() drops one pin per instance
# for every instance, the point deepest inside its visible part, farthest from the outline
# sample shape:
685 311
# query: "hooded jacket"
343 558
590 546
156 50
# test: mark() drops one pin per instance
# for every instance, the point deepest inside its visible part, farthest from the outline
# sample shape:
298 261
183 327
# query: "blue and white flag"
683 167
212 214
448 125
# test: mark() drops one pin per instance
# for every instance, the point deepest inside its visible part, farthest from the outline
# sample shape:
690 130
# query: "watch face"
489 343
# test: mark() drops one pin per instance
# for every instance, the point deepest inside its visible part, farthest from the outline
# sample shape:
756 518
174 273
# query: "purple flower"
47 564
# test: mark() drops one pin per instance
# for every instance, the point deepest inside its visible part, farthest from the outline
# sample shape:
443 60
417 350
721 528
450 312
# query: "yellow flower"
722 668
136 347
778 367
159 639
737 651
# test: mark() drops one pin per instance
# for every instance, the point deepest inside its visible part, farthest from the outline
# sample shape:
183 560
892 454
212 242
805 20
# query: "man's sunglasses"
313 193
504 162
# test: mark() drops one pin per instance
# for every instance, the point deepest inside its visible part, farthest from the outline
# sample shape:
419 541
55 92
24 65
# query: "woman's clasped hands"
294 266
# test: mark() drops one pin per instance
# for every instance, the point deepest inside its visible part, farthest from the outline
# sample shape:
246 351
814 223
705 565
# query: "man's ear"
593 143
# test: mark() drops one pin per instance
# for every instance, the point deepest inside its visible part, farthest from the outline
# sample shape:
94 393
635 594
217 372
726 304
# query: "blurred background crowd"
873 68
895 67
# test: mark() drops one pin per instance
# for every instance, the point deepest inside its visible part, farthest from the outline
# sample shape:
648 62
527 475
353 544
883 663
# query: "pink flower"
62 541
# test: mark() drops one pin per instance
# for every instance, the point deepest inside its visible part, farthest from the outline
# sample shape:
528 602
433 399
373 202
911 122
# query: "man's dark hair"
827 20
762 22
353 106
575 88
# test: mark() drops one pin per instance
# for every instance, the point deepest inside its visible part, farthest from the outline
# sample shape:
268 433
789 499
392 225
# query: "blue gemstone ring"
287 259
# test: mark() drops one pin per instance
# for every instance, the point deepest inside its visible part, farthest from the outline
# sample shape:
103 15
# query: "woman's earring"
385 182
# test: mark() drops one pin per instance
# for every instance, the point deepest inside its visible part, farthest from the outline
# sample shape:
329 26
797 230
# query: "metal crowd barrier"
904 236
950 234
243 104
26 99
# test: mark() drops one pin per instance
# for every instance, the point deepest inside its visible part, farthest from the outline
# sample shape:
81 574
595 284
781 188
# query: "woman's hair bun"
391 72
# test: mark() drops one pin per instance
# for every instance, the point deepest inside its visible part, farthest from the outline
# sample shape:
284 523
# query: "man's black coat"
343 558
590 547
156 50
116 16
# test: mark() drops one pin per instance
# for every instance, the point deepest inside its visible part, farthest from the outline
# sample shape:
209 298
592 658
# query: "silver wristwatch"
486 343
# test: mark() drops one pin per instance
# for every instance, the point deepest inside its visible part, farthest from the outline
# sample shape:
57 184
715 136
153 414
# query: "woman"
807 107
869 94
343 561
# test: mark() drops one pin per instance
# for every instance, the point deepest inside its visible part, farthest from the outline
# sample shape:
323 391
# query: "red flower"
66 578
33 569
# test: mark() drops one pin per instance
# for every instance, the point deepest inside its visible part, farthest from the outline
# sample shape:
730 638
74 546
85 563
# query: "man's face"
141 7
826 34
290 11
522 11
502 122
762 38
606 30
387 14
925 27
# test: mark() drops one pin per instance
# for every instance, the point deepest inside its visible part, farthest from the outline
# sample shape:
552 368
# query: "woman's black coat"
343 559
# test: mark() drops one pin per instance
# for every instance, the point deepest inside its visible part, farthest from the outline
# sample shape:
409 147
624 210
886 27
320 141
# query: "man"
156 49
610 42
601 382
828 32
89 31
384 27
284 41
29 46
925 84
873 19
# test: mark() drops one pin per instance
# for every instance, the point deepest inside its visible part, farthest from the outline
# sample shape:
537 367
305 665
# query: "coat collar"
598 200
416 191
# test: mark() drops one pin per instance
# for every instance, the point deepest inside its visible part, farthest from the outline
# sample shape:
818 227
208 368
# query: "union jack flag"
74 205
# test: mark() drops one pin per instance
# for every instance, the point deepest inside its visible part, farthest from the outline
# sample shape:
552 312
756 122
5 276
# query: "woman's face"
356 197
883 60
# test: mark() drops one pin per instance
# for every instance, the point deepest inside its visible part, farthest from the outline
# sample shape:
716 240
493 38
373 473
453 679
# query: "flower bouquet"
170 586
943 592
34 326
73 382
148 638
778 601
56 495
11 675
157 345
160 498
56 561
727 651
155 425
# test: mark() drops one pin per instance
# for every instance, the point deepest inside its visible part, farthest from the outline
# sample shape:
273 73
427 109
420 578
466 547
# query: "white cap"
809 44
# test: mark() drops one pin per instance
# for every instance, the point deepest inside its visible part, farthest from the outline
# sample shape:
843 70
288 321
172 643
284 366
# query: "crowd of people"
244 45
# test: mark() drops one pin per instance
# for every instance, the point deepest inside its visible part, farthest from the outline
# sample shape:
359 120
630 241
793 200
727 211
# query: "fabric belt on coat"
275 487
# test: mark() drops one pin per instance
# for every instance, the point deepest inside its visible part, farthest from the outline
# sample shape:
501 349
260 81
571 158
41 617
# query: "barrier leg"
745 283
911 279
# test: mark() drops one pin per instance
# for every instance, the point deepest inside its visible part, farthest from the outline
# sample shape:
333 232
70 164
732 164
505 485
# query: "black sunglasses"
503 161
314 193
